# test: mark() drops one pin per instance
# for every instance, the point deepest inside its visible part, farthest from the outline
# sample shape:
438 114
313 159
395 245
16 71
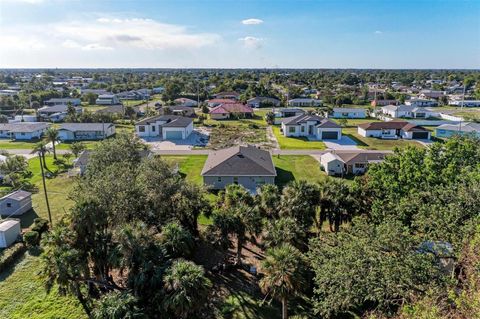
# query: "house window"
141 128
302 129
291 129
153 128
260 180
9 204
359 165
22 134
219 179
235 180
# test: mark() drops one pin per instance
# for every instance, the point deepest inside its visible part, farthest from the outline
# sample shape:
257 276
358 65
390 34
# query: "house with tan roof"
393 130
313 127
230 110
227 95
344 163
248 166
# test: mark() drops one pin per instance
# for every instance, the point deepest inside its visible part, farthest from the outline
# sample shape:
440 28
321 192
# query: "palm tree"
176 240
335 202
268 200
52 135
186 287
283 268
41 149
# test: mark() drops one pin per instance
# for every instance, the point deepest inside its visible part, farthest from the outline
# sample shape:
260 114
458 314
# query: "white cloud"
70 44
95 47
378 32
252 21
250 42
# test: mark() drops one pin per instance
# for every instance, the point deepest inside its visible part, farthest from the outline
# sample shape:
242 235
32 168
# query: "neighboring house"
467 103
217 102
421 102
48 111
289 112
349 113
449 130
341 163
107 99
135 95
377 102
260 101
185 102
430 94
227 95
158 90
167 127
299 102
23 130
80 163
393 130
248 166
85 131
311 126
179 110
24 118
17 203
9 232
226 111
94 91
56 101
409 111
8 92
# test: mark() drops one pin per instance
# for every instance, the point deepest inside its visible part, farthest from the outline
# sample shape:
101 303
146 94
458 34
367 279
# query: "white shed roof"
7 224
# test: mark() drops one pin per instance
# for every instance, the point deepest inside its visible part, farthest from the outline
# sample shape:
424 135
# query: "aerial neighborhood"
233 165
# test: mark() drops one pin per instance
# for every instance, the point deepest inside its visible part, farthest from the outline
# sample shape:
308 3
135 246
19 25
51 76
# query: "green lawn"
297 167
296 143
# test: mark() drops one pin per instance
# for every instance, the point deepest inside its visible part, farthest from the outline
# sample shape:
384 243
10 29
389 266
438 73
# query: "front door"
310 130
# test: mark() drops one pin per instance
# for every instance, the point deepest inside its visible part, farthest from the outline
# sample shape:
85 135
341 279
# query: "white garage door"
173 135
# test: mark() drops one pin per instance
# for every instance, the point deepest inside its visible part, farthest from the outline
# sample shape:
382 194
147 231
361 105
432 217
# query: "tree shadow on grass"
283 177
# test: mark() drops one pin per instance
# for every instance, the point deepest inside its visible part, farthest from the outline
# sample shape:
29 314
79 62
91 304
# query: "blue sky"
232 34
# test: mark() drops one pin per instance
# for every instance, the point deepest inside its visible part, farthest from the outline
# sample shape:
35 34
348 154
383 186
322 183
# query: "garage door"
329 135
173 135
420 135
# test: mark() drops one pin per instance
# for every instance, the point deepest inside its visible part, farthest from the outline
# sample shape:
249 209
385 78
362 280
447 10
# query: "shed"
9 232
16 203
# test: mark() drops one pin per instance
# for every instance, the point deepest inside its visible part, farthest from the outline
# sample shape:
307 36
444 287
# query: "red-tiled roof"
231 108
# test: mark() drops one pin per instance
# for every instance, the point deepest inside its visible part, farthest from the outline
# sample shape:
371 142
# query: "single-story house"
378 102
449 130
167 127
85 131
107 99
217 102
341 163
179 110
227 95
393 130
47 111
65 101
409 111
289 112
467 103
260 101
80 163
304 102
431 94
158 90
183 101
311 126
94 91
9 232
17 203
349 113
421 102
248 166
142 94
226 111
23 130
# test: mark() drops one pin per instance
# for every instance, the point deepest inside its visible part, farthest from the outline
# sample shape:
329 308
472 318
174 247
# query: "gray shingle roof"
239 161
17 195
172 120
466 127
23 127
75 127
304 118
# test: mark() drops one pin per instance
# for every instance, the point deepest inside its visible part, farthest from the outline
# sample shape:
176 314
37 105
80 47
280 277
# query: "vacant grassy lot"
296 143
293 167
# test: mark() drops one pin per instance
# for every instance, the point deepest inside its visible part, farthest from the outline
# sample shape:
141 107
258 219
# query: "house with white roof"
9 232
23 130
349 113
312 127
260 101
85 131
421 102
406 111
449 130
166 127
304 102
107 99
17 203
63 101
342 163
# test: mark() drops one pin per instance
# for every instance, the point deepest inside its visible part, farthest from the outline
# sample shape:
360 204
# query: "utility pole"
45 188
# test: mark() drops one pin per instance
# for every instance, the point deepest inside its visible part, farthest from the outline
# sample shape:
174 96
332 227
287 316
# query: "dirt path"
271 137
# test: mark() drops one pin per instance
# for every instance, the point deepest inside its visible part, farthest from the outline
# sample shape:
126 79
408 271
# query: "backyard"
296 143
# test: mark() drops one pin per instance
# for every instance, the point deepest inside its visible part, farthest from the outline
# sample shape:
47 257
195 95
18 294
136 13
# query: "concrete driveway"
345 143
199 138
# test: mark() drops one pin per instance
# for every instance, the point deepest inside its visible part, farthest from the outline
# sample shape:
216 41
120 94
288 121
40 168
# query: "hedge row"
9 255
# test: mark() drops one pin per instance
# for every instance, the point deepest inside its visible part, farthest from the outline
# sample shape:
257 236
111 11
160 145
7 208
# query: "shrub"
31 238
40 225
9 255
